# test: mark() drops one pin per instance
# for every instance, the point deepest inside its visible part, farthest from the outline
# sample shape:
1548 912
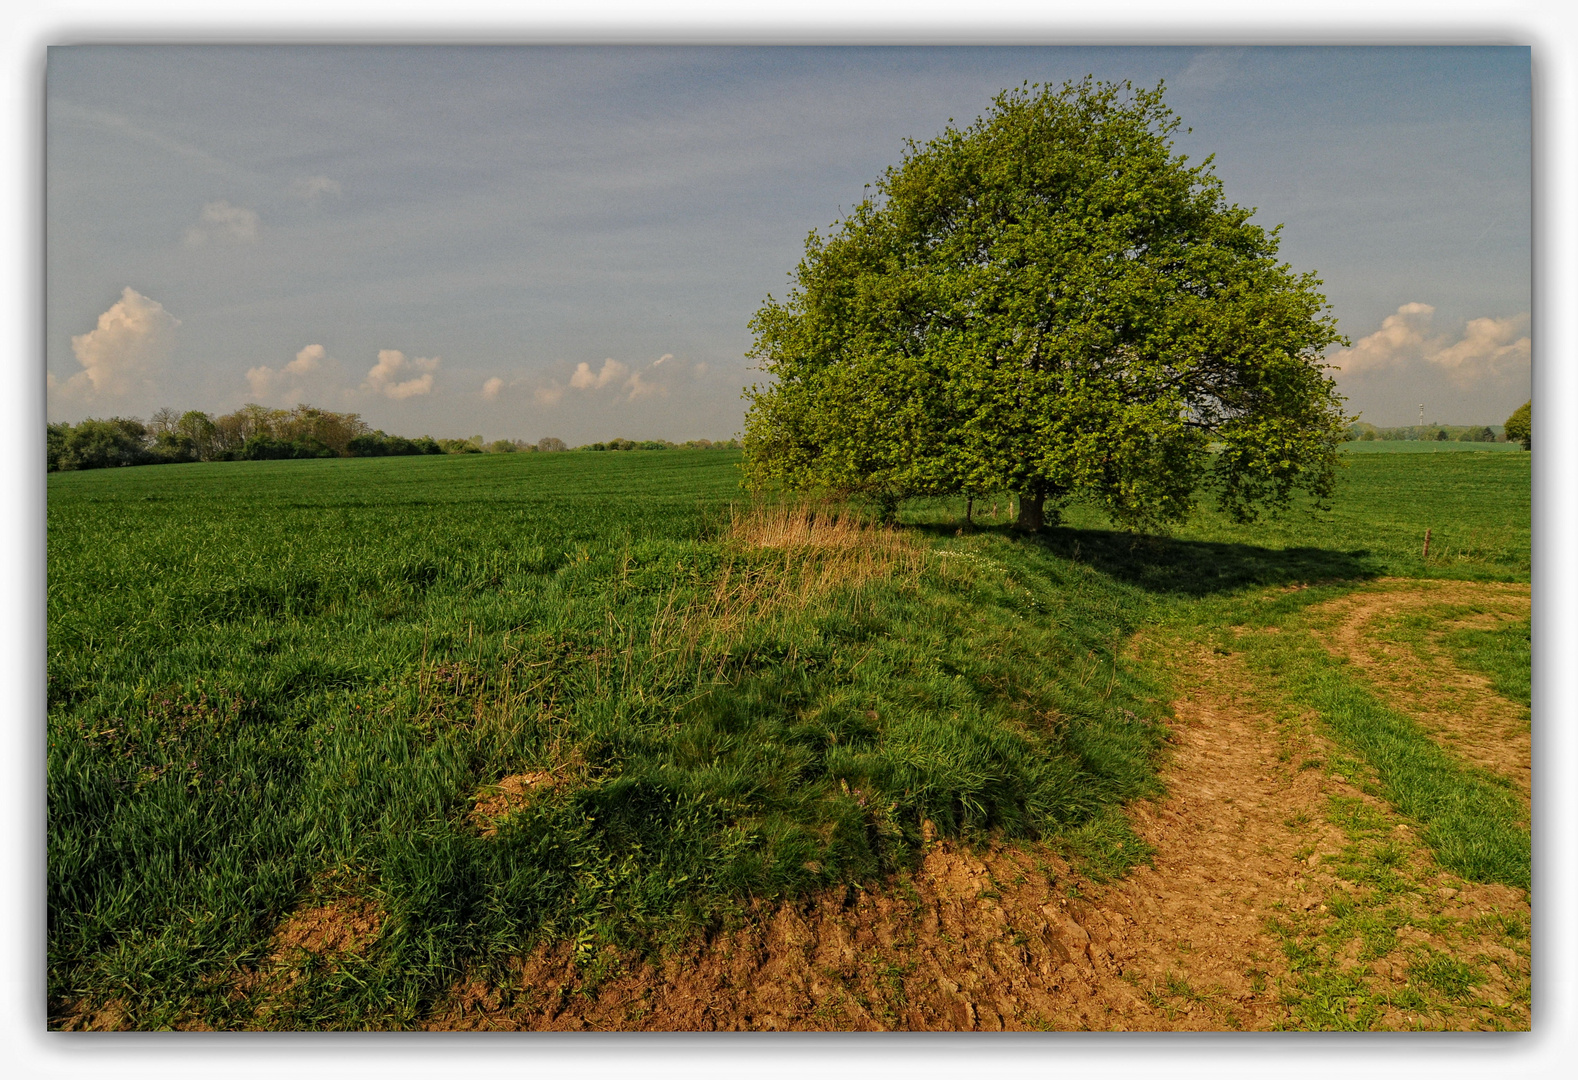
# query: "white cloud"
261 379
313 188
223 223
309 359
1401 338
660 378
641 387
491 388
264 380
1488 349
583 379
385 377
132 339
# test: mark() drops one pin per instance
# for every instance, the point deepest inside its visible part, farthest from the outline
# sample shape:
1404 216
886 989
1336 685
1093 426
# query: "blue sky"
519 242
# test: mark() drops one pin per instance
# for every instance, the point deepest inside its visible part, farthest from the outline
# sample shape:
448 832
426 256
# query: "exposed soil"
509 794
1456 705
346 925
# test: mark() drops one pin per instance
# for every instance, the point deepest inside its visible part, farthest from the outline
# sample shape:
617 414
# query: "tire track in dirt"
1457 706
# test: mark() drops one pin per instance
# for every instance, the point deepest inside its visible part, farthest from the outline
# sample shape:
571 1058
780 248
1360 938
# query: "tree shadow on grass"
1194 568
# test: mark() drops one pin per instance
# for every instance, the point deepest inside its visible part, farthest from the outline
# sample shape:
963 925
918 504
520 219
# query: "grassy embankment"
282 686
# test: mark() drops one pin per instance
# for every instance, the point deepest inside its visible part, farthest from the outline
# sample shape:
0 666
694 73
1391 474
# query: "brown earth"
347 925
1456 705
511 793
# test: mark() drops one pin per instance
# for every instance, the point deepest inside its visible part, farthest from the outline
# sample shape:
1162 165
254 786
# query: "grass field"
492 700
1429 446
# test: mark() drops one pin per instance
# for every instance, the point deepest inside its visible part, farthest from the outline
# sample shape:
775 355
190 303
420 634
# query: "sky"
522 242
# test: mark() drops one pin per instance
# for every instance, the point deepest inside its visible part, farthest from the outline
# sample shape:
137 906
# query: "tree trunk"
1032 517
969 508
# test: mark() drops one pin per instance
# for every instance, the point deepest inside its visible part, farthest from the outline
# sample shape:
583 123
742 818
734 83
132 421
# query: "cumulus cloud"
641 386
223 223
613 371
1488 349
313 188
309 359
491 388
387 377
265 381
1401 338
131 341
614 377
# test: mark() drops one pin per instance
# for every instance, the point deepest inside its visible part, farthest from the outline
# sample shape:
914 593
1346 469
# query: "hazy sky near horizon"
571 241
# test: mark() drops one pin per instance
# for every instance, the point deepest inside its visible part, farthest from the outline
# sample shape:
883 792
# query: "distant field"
1427 446
483 701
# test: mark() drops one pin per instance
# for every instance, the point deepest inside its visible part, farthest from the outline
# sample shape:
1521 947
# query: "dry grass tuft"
779 560
822 549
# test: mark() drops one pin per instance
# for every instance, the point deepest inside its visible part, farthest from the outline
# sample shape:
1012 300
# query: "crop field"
330 739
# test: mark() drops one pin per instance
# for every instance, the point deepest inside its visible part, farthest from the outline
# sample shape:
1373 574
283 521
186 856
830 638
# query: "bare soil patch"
1457 706
512 793
347 925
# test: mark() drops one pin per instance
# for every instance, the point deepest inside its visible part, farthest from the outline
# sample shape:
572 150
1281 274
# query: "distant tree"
162 421
1050 302
1519 426
199 428
551 444
105 444
502 446
170 447
56 436
269 448
1441 435
461 446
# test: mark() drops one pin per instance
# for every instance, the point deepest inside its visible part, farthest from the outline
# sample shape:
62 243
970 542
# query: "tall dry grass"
779 560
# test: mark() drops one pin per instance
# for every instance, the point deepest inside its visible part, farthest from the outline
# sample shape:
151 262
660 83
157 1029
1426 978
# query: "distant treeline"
257 433
1363 432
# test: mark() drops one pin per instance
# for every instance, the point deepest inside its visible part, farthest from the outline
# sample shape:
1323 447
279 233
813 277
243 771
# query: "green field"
1428 446
274 685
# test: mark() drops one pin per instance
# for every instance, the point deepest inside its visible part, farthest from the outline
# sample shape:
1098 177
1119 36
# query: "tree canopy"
1051 302
1519 425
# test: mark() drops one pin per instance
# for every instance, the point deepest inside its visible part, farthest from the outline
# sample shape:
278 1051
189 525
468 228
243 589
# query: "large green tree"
1051 302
